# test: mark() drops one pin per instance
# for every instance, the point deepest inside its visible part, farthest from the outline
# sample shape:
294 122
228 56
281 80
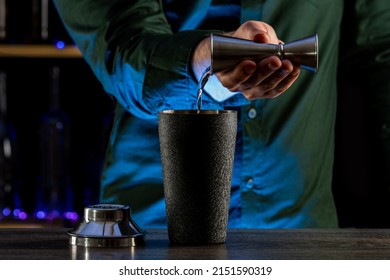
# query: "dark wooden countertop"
292 244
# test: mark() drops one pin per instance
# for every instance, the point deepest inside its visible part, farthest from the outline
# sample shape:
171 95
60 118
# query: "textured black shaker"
197 152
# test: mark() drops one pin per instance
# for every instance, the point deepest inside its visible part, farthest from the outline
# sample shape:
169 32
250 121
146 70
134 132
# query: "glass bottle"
47 27
40 21
54 195
3 20
10 203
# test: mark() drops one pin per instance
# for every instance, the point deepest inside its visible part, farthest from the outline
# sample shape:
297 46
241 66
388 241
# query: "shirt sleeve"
132 51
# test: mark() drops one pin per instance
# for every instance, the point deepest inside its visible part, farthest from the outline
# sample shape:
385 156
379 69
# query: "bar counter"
283 244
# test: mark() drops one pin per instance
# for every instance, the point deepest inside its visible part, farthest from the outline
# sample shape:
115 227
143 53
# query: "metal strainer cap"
107 225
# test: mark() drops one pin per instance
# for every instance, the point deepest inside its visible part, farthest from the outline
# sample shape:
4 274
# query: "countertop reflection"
291 244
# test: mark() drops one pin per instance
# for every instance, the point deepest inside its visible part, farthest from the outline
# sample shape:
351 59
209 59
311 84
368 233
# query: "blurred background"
55 121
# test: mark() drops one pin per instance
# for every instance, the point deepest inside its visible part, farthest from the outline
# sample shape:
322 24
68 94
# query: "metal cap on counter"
107 225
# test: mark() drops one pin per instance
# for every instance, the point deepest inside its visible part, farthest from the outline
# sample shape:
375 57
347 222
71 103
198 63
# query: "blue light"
16 212
6 212
60 45
40 214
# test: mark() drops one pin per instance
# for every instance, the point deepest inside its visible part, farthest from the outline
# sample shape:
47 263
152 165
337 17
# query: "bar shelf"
38 51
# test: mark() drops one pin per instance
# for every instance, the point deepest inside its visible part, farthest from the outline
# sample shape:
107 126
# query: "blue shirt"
140 51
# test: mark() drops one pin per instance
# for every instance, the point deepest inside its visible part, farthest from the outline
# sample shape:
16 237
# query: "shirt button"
252 113
249 184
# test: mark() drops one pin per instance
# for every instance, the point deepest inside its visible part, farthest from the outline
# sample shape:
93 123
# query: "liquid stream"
202 82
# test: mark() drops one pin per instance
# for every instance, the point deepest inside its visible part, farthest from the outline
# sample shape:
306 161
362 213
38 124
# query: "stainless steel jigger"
107 225
226 52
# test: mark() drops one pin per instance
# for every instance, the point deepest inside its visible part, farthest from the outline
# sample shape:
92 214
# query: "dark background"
361 180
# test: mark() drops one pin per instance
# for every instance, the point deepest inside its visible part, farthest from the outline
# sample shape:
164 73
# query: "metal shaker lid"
107 225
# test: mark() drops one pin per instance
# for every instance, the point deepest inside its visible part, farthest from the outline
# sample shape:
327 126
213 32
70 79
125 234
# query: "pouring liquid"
202 82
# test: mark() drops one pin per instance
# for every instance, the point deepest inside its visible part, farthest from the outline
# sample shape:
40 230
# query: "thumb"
262 37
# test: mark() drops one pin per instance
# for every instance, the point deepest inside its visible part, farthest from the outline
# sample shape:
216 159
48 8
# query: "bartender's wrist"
201 57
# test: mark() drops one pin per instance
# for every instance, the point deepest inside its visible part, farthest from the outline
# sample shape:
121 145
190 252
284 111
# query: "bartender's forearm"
132 51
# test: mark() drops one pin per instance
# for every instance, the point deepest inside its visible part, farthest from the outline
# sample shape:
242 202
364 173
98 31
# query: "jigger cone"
226 52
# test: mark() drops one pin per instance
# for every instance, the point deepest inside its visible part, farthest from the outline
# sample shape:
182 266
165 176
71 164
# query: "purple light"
53 215
60 45
22 215
71 215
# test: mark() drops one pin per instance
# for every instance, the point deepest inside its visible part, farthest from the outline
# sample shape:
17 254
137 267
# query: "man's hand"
267 78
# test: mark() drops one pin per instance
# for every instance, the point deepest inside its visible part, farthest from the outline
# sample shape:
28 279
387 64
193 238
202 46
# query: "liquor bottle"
3 20
54 195
39 21
10 203
46 25
15 21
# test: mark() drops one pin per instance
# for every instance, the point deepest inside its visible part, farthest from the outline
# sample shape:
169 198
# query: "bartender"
148 55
